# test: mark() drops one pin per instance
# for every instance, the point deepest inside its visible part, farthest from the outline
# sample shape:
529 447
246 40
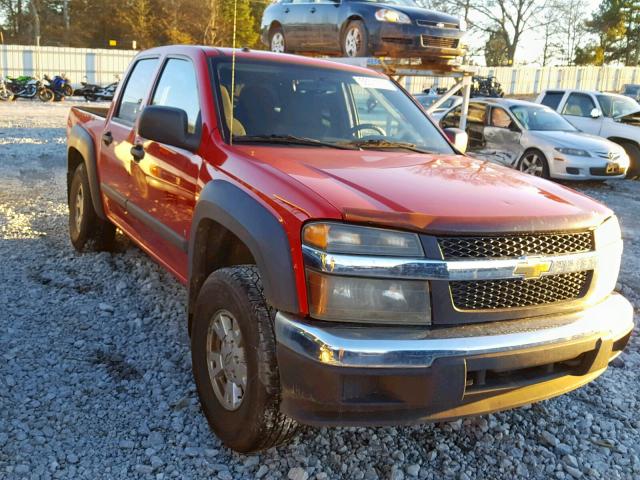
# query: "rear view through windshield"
335 107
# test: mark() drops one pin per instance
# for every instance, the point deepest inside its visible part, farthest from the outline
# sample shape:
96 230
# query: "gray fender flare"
258 229
80 140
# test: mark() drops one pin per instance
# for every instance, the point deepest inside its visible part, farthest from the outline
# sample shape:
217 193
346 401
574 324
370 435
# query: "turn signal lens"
357 240
367 300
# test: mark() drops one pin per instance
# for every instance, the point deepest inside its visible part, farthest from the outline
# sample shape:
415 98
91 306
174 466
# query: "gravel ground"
95 377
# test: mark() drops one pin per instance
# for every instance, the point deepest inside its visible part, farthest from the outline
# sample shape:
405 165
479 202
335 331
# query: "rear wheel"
355 41
534 163
67 90
234 361
6 95
277 42
46 95
87 231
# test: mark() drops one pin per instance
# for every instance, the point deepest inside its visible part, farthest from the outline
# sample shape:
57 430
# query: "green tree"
219 30
495 51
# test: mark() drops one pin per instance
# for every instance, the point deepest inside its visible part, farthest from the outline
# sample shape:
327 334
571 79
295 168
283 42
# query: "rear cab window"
135 90
552 99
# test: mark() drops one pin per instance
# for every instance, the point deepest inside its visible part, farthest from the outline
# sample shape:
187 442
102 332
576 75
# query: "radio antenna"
233 69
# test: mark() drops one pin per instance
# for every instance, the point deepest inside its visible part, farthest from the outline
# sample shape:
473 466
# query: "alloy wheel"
277 42
79 208
352 42
532 164
226 360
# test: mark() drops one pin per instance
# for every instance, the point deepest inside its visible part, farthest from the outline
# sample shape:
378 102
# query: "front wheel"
277 42
6 95
355 41
233 352
45 95
633 150
534 163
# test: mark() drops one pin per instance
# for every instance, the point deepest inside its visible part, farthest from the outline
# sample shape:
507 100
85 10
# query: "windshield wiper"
290 140
381 143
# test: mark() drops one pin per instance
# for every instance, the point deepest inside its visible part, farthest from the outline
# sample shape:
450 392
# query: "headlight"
576 152
463 25
368 300
361 299
608 240
393 16
353 239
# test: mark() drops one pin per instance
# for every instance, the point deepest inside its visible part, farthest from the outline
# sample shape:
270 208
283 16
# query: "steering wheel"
367 126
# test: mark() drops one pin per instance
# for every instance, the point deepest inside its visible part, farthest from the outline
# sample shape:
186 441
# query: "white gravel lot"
95 377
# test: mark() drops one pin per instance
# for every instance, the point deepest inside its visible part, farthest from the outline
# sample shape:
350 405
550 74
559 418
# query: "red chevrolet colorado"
346 264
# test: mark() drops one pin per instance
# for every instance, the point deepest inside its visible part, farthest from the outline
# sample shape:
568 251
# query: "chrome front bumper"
335 373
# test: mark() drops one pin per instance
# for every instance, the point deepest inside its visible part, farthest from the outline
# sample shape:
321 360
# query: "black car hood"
417 13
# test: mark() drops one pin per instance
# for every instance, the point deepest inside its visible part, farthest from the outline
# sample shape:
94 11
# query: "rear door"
577 110
165 190
119 173
296 29
324 24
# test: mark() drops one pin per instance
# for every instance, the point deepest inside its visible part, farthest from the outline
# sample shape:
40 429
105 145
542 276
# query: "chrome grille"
515 245
431 23
498 294
441 42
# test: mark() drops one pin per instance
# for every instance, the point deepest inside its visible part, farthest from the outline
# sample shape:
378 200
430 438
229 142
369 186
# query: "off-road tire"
258 423
633 150
91 232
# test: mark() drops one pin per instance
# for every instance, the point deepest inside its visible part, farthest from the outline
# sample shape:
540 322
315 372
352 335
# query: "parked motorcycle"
486 87
6 95
59 85
93 93
29 87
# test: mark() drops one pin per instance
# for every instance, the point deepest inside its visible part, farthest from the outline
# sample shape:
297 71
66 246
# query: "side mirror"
166 125
596 113
458 137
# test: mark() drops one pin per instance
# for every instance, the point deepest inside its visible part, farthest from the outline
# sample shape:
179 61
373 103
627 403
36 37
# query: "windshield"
615 106
541 118
427 100
320 107
403 3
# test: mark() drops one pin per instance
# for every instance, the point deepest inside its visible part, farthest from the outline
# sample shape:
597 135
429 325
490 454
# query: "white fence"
98 65
101 66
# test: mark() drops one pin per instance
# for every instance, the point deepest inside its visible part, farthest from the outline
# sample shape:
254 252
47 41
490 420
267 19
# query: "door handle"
286 10
107 138
137 152
313 10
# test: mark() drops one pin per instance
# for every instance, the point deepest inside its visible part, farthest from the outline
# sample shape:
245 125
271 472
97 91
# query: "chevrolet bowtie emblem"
531 268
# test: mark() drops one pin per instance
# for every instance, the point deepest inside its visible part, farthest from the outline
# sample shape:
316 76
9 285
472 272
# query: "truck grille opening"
514 293
486 381
431 23
515 245
440 42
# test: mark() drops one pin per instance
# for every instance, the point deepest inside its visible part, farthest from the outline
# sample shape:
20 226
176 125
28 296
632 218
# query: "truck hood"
432 193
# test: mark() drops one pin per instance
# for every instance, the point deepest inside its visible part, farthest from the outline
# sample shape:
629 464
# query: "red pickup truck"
346 263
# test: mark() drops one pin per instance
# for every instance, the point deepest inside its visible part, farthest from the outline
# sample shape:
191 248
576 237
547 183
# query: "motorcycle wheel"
6 95
67 90
45 95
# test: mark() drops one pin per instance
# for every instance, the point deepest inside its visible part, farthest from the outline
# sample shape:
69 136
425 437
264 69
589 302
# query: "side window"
371 108
477 113
500 118
135 89
178 88
452 119
552 99
579 105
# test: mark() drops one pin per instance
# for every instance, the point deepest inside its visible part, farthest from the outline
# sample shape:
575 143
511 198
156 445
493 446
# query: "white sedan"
535 139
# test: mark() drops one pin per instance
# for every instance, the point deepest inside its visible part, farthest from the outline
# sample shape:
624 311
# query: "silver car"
537 140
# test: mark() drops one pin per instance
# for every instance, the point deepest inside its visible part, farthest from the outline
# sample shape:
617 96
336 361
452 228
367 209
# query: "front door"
577 110
165 191
502 137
